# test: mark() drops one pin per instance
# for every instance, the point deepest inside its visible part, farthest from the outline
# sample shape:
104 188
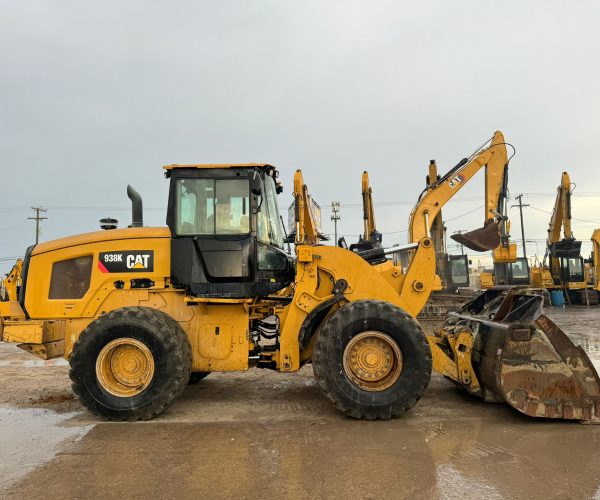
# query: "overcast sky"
96 95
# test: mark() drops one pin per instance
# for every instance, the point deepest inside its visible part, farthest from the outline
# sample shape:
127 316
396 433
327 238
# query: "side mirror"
256 185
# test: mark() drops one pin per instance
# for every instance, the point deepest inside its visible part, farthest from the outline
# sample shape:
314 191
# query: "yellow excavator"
508 269
452 270
563 267
508 272
595 262
138 312
9 287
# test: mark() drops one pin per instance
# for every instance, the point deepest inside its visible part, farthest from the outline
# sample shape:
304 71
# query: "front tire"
372 360
130 364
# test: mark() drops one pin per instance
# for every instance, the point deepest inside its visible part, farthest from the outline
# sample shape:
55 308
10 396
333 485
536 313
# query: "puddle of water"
31 437
591 346
453 484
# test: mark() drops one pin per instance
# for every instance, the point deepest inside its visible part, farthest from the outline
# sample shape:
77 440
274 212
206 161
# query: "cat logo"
126 262
456 180
138 261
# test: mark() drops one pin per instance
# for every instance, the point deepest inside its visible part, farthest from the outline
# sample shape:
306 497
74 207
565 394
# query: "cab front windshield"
269 229
459 271
206 206
575 269
212 206
520 269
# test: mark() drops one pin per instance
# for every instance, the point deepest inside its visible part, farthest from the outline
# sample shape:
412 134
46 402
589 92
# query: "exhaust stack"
137 216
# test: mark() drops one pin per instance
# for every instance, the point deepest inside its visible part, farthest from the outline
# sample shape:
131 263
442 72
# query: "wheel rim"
125 367
372 361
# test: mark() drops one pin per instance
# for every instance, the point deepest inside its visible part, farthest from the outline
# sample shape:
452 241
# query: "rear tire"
130 364
372 360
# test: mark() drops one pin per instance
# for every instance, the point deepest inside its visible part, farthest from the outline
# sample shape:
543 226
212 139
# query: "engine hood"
98 236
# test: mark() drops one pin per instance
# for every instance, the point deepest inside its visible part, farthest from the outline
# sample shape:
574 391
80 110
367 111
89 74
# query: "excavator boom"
568 246
596 258
368 211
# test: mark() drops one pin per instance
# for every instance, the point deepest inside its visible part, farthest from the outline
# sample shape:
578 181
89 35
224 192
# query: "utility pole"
335 217
37 220
521 205
462 249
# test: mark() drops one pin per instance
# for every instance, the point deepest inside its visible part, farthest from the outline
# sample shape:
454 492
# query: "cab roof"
218 165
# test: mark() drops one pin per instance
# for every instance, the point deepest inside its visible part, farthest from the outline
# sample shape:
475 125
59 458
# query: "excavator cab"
512 273
227 236
565 262
457 271
569 270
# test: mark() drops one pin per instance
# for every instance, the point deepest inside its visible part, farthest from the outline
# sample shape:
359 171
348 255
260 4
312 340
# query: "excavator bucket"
524 359
480 240
566 248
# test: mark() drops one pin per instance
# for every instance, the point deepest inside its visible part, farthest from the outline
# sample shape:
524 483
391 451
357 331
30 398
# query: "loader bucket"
524 359
480 240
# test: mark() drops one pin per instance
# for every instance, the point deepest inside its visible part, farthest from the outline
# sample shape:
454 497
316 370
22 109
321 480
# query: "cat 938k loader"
139 312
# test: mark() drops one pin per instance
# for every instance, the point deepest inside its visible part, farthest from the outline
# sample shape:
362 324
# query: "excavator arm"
12 282
307 227
494 234
368 211
568 246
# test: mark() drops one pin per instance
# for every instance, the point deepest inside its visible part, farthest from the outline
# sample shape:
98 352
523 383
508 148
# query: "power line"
573 218
466 213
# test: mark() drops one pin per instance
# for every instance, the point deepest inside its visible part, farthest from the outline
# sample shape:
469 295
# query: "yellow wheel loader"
140 312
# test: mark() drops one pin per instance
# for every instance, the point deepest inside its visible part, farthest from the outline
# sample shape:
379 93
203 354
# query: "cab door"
213 248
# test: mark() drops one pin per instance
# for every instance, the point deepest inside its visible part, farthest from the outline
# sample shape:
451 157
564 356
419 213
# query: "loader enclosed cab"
227 235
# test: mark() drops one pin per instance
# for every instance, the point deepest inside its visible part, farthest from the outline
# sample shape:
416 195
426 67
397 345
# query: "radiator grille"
70 278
